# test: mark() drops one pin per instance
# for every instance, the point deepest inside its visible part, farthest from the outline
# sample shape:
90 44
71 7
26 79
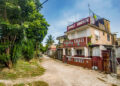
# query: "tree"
43 49
21 23
50 40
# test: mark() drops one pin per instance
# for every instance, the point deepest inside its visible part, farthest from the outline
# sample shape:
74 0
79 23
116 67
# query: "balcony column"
63 51
64 55
85 51
72 52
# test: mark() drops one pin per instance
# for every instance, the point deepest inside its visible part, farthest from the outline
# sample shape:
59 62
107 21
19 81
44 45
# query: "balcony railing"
80 42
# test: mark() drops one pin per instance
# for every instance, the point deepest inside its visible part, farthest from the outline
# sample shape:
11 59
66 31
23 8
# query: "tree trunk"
37 52
9 64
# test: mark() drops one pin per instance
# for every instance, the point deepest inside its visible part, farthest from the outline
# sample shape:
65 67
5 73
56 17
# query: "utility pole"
114 65
114 62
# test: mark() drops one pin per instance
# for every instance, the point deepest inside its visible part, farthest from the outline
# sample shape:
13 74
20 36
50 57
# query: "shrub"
28 50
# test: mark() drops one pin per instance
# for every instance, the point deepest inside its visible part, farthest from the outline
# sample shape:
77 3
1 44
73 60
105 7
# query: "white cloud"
79 10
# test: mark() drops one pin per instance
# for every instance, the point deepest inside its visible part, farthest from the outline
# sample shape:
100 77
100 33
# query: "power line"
44 2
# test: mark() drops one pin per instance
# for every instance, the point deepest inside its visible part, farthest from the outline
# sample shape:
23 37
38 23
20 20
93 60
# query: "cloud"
78 10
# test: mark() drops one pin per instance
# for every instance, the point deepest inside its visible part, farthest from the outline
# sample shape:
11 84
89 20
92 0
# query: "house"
51 50
118 41
89 44
60 46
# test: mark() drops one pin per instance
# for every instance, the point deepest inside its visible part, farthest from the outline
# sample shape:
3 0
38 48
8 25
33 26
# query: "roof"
118 39
99 28
61 37
52 47
86 26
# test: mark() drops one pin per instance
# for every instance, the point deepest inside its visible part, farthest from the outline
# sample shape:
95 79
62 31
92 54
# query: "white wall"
79 34
96 51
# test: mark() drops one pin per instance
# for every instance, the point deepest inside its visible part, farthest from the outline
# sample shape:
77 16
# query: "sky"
61 13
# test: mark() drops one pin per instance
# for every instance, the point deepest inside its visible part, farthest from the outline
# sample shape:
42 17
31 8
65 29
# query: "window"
108 37
103 33
69 52
97 35
79 52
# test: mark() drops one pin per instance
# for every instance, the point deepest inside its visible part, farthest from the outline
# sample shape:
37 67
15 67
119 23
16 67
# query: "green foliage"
50 40
16 53
4 58
43 49
22 84
28 50
2 84
36 83
23 69
89 43
20 20
40 83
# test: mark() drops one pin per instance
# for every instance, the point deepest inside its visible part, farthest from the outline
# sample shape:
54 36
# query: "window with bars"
79 52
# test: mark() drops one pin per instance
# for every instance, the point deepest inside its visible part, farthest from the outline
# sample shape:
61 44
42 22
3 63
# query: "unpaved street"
60 74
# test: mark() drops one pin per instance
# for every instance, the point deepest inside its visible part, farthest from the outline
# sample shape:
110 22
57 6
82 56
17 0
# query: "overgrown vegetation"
22 29
50 40
37 83
23 69
2 84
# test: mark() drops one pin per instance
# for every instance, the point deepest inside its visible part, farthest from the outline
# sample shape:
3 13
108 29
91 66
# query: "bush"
11 58
16 53
28 50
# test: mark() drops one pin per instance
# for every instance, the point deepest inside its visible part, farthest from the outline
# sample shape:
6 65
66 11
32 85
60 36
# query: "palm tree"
50 40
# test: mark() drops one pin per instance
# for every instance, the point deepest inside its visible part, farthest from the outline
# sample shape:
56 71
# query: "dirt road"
60 74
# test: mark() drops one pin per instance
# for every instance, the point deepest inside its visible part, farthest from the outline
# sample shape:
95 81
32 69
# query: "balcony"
80 42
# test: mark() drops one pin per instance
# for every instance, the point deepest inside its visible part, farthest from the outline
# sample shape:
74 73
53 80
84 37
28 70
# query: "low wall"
90 63
86 63
97 62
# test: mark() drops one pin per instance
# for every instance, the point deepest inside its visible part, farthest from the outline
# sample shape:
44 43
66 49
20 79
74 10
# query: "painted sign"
79 23
77 42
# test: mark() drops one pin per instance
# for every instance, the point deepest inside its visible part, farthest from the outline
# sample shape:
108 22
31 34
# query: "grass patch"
2 84
19 84
23 69
37 83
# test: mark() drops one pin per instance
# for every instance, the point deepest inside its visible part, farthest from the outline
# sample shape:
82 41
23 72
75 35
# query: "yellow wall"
103 38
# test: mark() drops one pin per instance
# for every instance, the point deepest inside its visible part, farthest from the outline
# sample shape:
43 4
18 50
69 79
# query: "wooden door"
106 61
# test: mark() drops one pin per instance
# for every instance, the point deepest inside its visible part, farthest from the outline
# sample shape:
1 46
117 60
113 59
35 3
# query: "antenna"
89 8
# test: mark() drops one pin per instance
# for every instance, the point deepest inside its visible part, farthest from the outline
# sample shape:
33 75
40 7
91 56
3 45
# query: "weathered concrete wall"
118 52
102 37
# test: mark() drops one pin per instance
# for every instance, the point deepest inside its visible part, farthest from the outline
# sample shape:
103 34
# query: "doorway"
106 61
